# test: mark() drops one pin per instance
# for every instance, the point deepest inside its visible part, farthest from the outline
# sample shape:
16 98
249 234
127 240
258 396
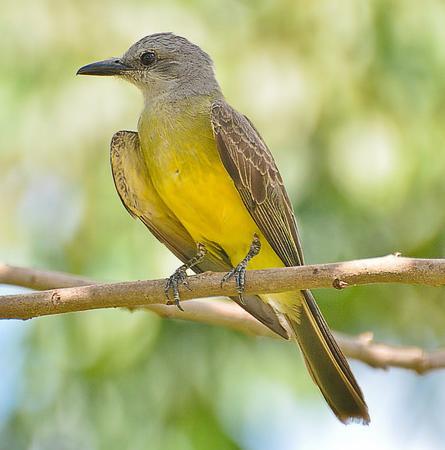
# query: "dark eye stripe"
148 58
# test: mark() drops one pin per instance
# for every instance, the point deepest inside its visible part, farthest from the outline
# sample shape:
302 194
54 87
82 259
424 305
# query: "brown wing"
252 168
140 198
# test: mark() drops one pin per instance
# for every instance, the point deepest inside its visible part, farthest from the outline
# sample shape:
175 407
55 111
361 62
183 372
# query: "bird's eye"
148 58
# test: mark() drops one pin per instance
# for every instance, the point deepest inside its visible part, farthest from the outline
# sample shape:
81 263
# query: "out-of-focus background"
350 97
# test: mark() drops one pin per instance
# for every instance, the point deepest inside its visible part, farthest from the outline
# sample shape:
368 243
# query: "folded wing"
140 198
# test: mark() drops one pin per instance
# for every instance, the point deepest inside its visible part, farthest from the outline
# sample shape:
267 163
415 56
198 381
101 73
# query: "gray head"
162 64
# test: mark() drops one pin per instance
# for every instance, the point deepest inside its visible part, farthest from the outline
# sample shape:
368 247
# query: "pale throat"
171 115
163 94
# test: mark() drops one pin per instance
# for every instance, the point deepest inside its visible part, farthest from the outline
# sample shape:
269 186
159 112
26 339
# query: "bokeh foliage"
349 96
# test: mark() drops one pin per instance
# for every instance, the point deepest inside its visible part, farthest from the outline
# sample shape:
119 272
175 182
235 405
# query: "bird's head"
161 64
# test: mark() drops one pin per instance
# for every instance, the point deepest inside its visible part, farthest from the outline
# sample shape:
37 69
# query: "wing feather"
253 170
251 165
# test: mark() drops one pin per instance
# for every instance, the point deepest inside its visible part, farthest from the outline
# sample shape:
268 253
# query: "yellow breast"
184 163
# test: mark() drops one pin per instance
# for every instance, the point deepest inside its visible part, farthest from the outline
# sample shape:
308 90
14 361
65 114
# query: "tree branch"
71 293
387 269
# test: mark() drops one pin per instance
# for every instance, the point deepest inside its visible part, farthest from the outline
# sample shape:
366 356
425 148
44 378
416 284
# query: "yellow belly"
207 203
189 176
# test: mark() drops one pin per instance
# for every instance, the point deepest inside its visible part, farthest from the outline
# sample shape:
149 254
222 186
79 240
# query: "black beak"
104 68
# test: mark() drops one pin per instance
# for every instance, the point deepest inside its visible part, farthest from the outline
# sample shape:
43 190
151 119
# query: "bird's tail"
327 364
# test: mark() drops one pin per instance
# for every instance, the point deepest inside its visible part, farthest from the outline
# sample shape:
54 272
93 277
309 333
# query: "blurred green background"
350 97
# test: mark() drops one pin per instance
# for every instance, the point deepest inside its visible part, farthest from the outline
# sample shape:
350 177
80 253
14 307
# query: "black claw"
172 284
228 276
180 276
239 272
241 280
178 304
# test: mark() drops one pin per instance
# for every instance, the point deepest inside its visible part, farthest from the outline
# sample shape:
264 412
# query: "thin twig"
387 269
226 313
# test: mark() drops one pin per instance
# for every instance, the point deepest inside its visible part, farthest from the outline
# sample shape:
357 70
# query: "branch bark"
67 293
387 269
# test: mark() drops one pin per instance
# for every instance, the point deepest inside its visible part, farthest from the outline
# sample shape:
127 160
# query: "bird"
201 178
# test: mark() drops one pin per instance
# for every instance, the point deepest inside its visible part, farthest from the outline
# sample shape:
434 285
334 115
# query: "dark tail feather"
327 364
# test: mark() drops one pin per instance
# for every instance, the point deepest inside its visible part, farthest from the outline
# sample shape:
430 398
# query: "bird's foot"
239 272
180 276
173 282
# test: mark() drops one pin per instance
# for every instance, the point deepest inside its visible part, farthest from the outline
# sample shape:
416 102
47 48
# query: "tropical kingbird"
201 178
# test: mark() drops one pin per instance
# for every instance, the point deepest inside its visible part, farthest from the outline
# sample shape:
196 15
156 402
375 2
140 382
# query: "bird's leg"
180 275
239 272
